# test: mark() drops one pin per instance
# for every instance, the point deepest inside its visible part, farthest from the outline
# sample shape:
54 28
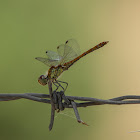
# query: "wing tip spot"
67 41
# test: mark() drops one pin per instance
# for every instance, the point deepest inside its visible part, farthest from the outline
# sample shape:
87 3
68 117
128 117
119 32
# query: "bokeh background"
30 27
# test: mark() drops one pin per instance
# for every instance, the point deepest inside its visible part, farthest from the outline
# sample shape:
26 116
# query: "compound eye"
42 80
42 77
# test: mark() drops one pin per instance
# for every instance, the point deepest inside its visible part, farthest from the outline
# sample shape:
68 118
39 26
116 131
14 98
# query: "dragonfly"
67 54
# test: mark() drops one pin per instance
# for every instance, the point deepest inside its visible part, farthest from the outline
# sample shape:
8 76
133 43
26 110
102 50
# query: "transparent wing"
74 45
47 61
53 55
68 51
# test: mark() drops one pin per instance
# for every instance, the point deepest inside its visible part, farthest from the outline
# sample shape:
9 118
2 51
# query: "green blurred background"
30 27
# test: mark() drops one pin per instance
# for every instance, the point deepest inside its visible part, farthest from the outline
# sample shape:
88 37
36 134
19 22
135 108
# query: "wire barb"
52 105
76 113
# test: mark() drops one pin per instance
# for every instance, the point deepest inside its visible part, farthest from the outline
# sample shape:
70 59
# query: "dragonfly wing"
68 51
53 55
60 50
74 45
47 61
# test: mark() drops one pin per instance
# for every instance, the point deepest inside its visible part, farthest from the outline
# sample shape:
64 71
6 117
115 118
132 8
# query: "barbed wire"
59 101
89 101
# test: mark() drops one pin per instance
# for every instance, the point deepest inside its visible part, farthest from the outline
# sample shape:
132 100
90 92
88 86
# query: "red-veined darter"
67 54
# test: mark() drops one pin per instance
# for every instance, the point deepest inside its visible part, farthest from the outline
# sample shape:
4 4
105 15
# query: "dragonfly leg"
56 86
59 85
64 83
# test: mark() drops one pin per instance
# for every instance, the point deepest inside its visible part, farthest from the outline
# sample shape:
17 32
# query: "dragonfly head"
43 80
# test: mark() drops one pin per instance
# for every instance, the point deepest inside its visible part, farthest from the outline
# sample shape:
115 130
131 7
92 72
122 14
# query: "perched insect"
67 54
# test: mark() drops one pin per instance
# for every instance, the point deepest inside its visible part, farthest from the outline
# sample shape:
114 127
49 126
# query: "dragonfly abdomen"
70 63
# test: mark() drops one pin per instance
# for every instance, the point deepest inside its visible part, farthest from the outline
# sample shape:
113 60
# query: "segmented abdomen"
70 63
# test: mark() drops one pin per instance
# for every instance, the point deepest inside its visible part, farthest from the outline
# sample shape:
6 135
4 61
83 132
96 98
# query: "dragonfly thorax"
54 72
